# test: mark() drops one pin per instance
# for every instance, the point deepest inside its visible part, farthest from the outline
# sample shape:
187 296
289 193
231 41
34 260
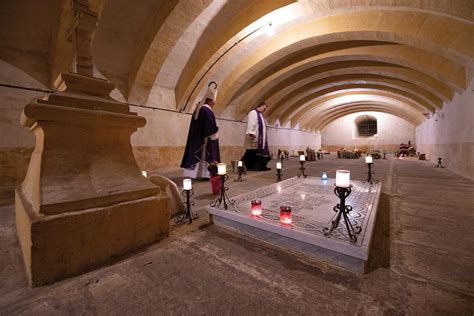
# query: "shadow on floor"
379 254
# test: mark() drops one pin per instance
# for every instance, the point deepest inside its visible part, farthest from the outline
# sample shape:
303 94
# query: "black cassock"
199 146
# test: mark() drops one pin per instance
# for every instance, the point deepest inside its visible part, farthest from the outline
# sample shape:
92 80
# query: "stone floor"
421 262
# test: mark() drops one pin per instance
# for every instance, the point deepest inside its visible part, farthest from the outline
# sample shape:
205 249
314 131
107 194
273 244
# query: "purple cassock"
202 146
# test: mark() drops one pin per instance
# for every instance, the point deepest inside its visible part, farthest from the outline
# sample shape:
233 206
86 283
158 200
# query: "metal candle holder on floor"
440 163
370 178
279 175
188 215
343 211
223 198
240 171
301 170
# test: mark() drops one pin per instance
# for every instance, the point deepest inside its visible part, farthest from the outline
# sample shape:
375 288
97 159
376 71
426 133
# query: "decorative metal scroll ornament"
343 211
370 173
223 199
188 215
301 170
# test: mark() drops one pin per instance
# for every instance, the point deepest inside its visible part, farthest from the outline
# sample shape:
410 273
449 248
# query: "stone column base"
60 246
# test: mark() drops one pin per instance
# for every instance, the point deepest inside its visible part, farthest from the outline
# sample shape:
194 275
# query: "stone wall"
391 132
449 134
161 142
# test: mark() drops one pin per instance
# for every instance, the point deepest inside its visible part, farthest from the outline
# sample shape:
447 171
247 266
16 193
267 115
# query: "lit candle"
368 159
302 158
239 164
221 169
256 207
144 174
324 176
187 184
343 178
278 165
285 214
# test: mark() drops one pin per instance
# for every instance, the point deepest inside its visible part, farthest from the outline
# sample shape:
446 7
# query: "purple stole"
262 149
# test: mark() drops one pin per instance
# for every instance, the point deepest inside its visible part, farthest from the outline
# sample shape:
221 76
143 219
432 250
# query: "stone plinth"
312 201
84 200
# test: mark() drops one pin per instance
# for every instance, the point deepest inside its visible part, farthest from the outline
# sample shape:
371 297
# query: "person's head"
209 102
262 107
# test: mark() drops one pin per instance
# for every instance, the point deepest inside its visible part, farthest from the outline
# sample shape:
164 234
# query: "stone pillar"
84 200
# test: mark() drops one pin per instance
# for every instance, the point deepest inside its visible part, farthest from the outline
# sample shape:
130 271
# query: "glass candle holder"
285 214
256 207
279 165
187 184
343 178
221 169
239 163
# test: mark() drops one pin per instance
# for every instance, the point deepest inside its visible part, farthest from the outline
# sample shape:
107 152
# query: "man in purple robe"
257 154
202 145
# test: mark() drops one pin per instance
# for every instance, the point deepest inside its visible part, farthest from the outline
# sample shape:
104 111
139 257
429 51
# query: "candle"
187 184
144 174
285 214
278 165
343 178
368 159
302 158
239 164
221 169
324 176
256 207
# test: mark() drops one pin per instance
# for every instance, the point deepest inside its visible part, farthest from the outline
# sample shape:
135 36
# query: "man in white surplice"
257 154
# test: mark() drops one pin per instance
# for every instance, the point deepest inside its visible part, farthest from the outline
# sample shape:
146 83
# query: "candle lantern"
369 164
343 178
221 169
440 163
223 199
285 214
342 190
302 168
144 174
240 169
187 184
256 207
188 215
278 167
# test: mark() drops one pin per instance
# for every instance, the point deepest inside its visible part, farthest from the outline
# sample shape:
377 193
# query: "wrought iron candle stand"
440 163
279 175
223 198
301 170
343 211
188 215
240 171
370 178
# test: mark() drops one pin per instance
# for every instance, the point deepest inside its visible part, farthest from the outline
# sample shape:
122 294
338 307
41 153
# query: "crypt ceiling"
313 61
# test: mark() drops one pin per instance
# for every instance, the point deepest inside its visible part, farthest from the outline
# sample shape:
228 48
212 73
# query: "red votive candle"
256 207
285 214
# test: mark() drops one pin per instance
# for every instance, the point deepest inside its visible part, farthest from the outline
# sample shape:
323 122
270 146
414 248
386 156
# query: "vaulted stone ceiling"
323 59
